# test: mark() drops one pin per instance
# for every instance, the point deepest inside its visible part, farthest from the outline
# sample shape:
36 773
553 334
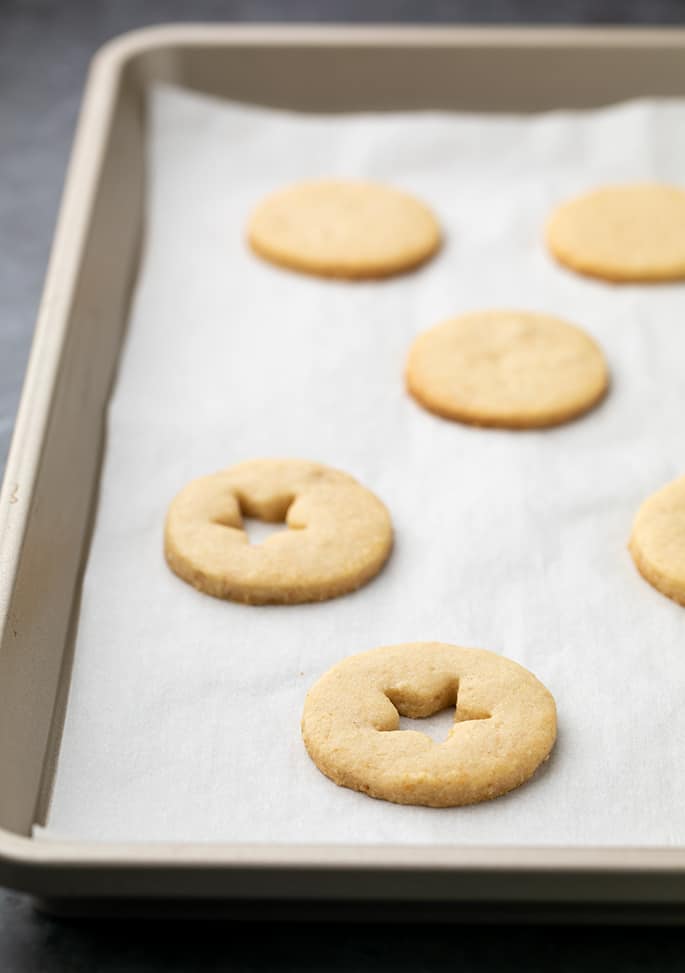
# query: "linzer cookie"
514 369
504 724
657 542
340 533
346 229
622 233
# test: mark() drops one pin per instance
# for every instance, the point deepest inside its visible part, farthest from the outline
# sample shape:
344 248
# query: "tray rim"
120 49
25 861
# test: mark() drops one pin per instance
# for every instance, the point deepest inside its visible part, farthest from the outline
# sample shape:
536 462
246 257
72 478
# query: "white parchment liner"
183 717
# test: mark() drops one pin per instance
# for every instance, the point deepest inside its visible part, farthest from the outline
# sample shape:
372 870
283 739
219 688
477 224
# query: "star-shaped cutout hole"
438 724
258 530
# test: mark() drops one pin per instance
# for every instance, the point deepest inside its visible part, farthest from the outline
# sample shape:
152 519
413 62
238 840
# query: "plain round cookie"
622 233
513 369
340 537
505 724
344 229
657 542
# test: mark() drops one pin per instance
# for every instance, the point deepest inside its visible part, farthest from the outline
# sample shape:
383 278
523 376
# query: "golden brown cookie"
622 233
338 228
505 724
514 369
657 542
340 533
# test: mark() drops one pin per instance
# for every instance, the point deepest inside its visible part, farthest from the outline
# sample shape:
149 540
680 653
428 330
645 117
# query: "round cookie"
505 724
340 536
344 229
622 233
513 369
657 543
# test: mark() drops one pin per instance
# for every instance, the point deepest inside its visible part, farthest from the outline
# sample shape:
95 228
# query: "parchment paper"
183 716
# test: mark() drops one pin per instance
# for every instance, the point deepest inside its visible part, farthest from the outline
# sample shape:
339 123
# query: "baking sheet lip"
48 349
126 46
20 853
31 426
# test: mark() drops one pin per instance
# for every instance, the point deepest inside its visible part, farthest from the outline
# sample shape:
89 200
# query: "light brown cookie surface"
343 229
622 233
340 536
657 542
505 724
513 369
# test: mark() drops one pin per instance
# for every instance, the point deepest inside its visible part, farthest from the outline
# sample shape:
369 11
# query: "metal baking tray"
51 480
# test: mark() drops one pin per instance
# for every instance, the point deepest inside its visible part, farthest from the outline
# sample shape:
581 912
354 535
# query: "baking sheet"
183 715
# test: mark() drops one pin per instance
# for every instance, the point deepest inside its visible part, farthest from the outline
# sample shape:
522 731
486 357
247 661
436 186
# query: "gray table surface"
45 46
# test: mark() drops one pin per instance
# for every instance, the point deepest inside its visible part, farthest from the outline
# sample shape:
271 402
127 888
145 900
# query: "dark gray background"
45 46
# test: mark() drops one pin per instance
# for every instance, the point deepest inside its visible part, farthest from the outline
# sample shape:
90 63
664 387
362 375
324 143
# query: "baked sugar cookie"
657 542
622 233
514 369
340 533
505 724
344 229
